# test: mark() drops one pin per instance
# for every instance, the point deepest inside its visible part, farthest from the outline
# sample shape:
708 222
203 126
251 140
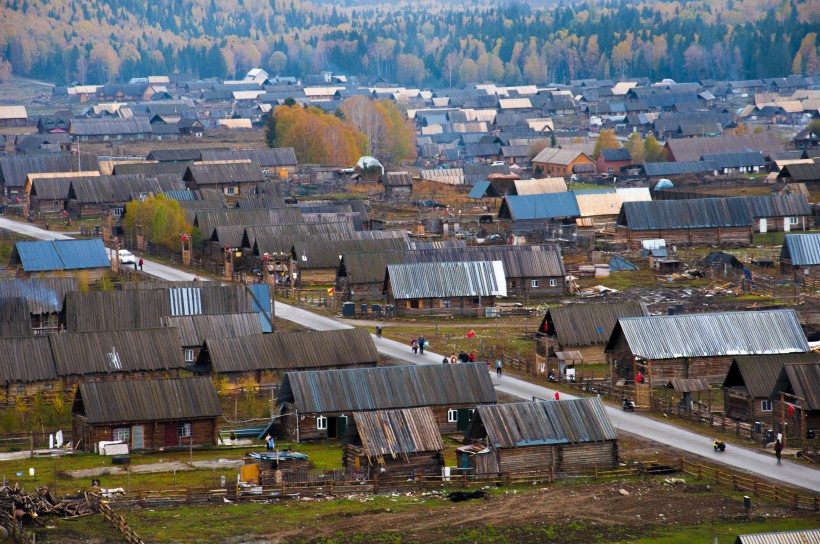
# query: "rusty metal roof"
398 433
360 389
521 424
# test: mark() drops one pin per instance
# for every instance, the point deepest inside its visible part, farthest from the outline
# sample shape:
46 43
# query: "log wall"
204 433
527 459
591 454
689 237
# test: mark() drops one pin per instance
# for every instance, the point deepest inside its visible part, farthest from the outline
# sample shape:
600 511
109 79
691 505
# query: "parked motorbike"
719 445
628 405
551 376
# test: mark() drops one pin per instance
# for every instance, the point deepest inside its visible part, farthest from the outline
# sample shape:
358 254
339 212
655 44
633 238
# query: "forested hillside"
423 43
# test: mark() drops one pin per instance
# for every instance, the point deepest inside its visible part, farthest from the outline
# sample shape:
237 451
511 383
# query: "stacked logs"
28 507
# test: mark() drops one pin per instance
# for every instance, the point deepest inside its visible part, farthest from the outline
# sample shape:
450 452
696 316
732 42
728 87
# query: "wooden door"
171 435
136 437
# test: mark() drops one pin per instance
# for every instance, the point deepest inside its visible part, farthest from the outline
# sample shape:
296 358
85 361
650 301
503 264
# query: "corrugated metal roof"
535 261
805 380
369 267
13 170
111 126
587 324
126 401
277 156
540 206
691 149
808 536
195 329
801 249
27 360
447 279
292 351
53 255
482 189
15 319
709 335
231 172
791 205
107 352
522 424
655 169
741 159
398 432
360 389
208 220
683 214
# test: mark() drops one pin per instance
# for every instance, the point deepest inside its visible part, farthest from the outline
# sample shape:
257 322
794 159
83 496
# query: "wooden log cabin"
146 414
800 256
319 405
402 443
45 298
666 347
695 222
753 384
450 288
534 436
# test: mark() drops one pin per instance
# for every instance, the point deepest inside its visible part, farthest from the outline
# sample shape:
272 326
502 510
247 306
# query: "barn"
401 443
317 405
534 436
146 414
800 255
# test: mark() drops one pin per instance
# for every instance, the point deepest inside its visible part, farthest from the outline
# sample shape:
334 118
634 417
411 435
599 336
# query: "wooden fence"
329 486
744 482
15 527
115 519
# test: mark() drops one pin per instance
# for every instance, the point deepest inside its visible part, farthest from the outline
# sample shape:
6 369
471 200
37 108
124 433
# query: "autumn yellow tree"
318 137
606 140
636 149
653 150
162 220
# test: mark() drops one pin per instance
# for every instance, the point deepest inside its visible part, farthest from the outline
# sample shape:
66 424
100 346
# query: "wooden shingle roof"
126 401
588 324
27 359
233 172
290 351
195 329
382 388
398 433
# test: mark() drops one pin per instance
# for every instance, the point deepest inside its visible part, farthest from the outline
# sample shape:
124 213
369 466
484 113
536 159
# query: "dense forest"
426 43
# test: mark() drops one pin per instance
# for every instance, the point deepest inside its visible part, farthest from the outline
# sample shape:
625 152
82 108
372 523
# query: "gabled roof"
801 172
125 401
531 261
27 359
805 380
233 172
739 159
291 351
539 206
398 179
13 170
764 375
398 433
524 187
446 279
15 318
112 126
808 536
552 155
369 267
43 295
51 255
483 189
681 214
710 335
108 352
691 149
278 156
801 249
195 329
616 155
523 424
588 324
656 169
383 388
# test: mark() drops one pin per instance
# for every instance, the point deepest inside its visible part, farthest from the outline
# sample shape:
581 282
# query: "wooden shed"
800 255
398 183
534 436
146 414
60 257
401 443
317 405
700 345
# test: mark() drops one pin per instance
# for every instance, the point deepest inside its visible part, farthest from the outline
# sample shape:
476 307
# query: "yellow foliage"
162 219
317 137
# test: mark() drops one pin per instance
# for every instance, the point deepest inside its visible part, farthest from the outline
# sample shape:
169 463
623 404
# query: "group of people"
418 345
462 357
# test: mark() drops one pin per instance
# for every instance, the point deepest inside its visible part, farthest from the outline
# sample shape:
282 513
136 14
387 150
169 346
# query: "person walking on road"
421 345
778 449
141 263
557 396
499 367
414 345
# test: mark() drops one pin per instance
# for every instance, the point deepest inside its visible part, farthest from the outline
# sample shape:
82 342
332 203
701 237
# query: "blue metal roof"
801 249
52 255
479 190
261 295
541 206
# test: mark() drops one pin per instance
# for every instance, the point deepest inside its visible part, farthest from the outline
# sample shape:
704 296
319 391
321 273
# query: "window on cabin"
445 302
792 220
765 406
184 430
533 283
189 355
452 416
123 434
321 423
553 283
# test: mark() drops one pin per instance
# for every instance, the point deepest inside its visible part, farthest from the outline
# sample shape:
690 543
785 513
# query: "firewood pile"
28 507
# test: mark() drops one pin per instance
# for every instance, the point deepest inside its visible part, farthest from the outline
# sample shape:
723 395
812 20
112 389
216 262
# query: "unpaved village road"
735 456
